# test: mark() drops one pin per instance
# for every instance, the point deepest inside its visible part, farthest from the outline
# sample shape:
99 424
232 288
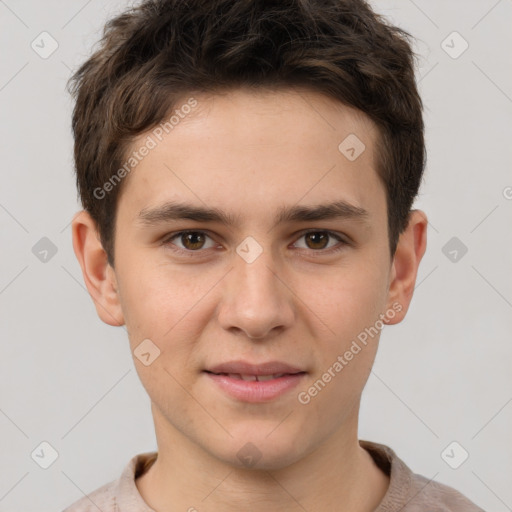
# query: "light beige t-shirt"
407 492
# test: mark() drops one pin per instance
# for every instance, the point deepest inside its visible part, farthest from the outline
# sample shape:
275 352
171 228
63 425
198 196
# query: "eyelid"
169 238
340 237
343 243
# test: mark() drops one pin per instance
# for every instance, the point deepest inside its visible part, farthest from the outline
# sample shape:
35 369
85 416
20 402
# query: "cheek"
168 306
149 306
350 308
162 305
348 300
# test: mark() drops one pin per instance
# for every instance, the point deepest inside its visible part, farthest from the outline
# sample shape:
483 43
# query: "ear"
99 276
410 249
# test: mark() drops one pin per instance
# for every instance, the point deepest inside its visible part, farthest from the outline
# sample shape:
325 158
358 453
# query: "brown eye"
189 241
317 239
321 241
193 240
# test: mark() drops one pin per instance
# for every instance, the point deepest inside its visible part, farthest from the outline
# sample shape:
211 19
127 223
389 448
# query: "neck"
339 475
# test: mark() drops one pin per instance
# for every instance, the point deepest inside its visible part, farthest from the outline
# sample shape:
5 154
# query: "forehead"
244 148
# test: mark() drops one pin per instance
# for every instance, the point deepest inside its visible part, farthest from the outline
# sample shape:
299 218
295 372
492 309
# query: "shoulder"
426 494
121 494
410 492
102 498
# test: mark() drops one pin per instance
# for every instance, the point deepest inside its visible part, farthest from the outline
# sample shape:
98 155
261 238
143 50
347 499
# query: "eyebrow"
171 211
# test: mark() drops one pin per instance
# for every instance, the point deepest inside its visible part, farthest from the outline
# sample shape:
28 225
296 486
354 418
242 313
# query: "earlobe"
98 276
410 250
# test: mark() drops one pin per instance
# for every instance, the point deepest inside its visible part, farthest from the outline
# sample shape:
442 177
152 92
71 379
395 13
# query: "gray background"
443 375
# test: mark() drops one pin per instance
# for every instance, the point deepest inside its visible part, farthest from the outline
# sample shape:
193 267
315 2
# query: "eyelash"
187 252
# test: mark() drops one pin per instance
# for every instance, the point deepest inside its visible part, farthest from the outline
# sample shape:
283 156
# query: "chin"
256 450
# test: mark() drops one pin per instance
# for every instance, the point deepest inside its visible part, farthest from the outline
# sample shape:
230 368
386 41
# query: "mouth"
252 378
255 383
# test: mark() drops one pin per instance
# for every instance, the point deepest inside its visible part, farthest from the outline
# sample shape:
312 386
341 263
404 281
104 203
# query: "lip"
246 368
255 391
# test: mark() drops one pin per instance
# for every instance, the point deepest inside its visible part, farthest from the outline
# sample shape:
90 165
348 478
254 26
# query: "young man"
247 171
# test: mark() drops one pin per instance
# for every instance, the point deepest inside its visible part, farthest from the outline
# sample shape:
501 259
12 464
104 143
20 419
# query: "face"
272 282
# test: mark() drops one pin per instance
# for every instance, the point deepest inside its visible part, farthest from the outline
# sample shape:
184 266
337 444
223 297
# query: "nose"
256 300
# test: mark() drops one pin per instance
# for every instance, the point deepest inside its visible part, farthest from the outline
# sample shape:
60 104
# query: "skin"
250 153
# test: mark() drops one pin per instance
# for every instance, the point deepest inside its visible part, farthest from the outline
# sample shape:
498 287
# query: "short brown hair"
156 53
